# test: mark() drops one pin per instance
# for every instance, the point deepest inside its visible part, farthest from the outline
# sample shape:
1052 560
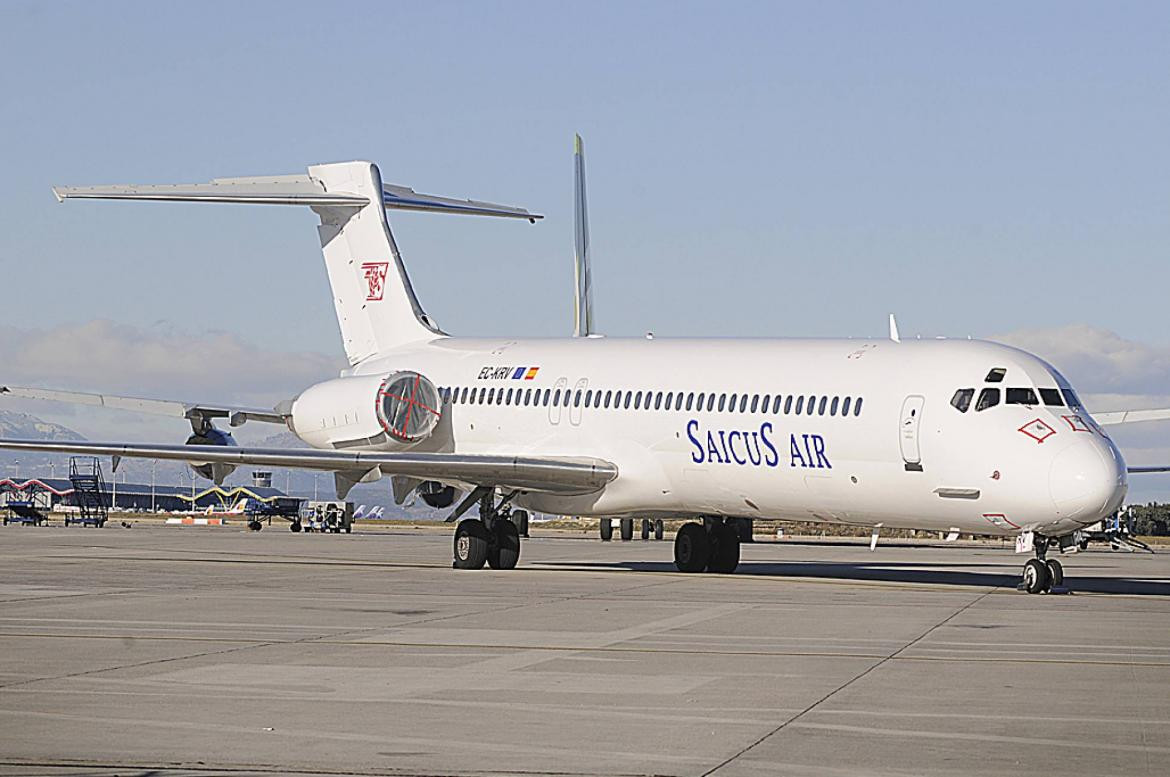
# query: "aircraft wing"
549 474
174 408
1115 417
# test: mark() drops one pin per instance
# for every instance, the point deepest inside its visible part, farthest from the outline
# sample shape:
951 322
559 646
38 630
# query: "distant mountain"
22 426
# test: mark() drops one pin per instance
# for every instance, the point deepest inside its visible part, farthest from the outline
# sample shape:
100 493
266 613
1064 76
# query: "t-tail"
377 309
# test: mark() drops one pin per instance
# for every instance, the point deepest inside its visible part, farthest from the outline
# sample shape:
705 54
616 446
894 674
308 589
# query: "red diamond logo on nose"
1037 430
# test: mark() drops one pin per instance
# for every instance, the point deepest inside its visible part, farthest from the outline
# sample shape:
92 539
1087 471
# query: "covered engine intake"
204 433
376 412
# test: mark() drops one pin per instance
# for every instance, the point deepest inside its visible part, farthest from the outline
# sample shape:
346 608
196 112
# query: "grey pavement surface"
200 650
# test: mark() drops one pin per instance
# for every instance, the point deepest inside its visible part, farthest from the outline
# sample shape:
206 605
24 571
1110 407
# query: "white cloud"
114 358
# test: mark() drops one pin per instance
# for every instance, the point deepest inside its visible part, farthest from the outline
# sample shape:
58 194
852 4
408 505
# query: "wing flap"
167 407
558 475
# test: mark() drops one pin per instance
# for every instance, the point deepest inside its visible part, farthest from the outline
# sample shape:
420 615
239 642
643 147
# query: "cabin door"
908 430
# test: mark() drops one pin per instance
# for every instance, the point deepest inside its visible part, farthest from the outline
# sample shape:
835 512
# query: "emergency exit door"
908 430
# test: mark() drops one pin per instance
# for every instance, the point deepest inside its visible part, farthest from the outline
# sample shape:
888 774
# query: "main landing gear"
493 538
1042 575
712 545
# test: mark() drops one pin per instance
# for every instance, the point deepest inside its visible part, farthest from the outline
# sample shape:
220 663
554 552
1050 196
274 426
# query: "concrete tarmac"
201 650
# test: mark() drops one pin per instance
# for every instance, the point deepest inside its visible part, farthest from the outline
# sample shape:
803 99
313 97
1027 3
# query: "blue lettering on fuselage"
754 447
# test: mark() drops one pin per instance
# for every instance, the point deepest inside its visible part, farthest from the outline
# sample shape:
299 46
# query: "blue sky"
754 169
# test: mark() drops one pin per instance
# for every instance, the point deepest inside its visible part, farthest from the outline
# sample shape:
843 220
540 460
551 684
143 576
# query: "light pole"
315 475
114 497
153 503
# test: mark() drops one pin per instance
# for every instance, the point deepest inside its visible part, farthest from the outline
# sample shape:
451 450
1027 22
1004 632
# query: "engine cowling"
389 412
209 435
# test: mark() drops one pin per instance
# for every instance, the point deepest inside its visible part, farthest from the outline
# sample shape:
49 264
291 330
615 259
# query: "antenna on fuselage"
894 329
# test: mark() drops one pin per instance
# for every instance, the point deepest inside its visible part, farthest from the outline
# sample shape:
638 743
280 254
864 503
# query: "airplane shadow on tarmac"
925 573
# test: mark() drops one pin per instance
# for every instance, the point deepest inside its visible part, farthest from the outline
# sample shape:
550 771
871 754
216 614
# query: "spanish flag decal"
531 373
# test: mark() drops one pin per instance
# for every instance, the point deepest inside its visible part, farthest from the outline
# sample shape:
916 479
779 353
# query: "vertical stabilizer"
376 306
582 281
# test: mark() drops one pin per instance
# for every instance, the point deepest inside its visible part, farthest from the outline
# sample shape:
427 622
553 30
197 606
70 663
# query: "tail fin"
376 306
582 280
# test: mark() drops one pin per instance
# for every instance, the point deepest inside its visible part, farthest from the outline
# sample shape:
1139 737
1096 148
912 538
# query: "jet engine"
389 412
204 433
436 494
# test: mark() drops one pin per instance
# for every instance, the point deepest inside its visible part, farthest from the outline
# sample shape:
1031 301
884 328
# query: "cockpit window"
962 399
988 397
1071 398
1021 396
996 375
1051 397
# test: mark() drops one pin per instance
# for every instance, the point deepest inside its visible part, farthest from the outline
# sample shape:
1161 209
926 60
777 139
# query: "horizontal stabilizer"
288 190
1114 417
167 407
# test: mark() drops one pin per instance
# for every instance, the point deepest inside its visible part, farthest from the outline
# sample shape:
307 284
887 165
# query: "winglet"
582 281
894 329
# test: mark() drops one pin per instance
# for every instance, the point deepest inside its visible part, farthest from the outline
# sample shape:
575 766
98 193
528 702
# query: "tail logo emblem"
375 274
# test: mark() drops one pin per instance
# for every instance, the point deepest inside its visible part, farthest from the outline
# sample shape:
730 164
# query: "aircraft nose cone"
1087 481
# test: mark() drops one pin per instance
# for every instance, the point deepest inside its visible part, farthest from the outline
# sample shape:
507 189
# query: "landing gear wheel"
645 528
724 550
295 526
606 530
659 529
505 551
1036 576
692 548
1055 573
471 544
627 529
255 526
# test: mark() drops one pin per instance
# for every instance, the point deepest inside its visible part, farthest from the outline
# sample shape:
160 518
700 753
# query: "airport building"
49 493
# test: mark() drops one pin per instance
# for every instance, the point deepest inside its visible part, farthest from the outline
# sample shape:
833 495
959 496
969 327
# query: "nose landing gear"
712 545
1042 575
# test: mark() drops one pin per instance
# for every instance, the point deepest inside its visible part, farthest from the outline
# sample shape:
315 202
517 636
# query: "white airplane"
943 435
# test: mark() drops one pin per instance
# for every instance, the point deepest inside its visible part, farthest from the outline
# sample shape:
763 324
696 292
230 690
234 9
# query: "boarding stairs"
89 492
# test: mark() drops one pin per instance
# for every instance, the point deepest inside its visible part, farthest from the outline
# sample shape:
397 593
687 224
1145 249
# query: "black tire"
471 544
348 529
724 549
692 548
1036 576
295 526
504 553
1055 573
606 530
627 529
659 529
645 528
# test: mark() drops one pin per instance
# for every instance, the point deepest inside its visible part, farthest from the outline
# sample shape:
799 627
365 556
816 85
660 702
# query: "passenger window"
962 399
589 398
710 402
988 397
556 398
776 404
608 397
811 406
995 375
1020 396
658 401
722 402
1051 397
629 398
509 396
788 405
670 399
799 405
833 407
638 400
577 399
547 394
731 404
763 404
821 407
743 403
568 396
857 407
845 405
690 400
